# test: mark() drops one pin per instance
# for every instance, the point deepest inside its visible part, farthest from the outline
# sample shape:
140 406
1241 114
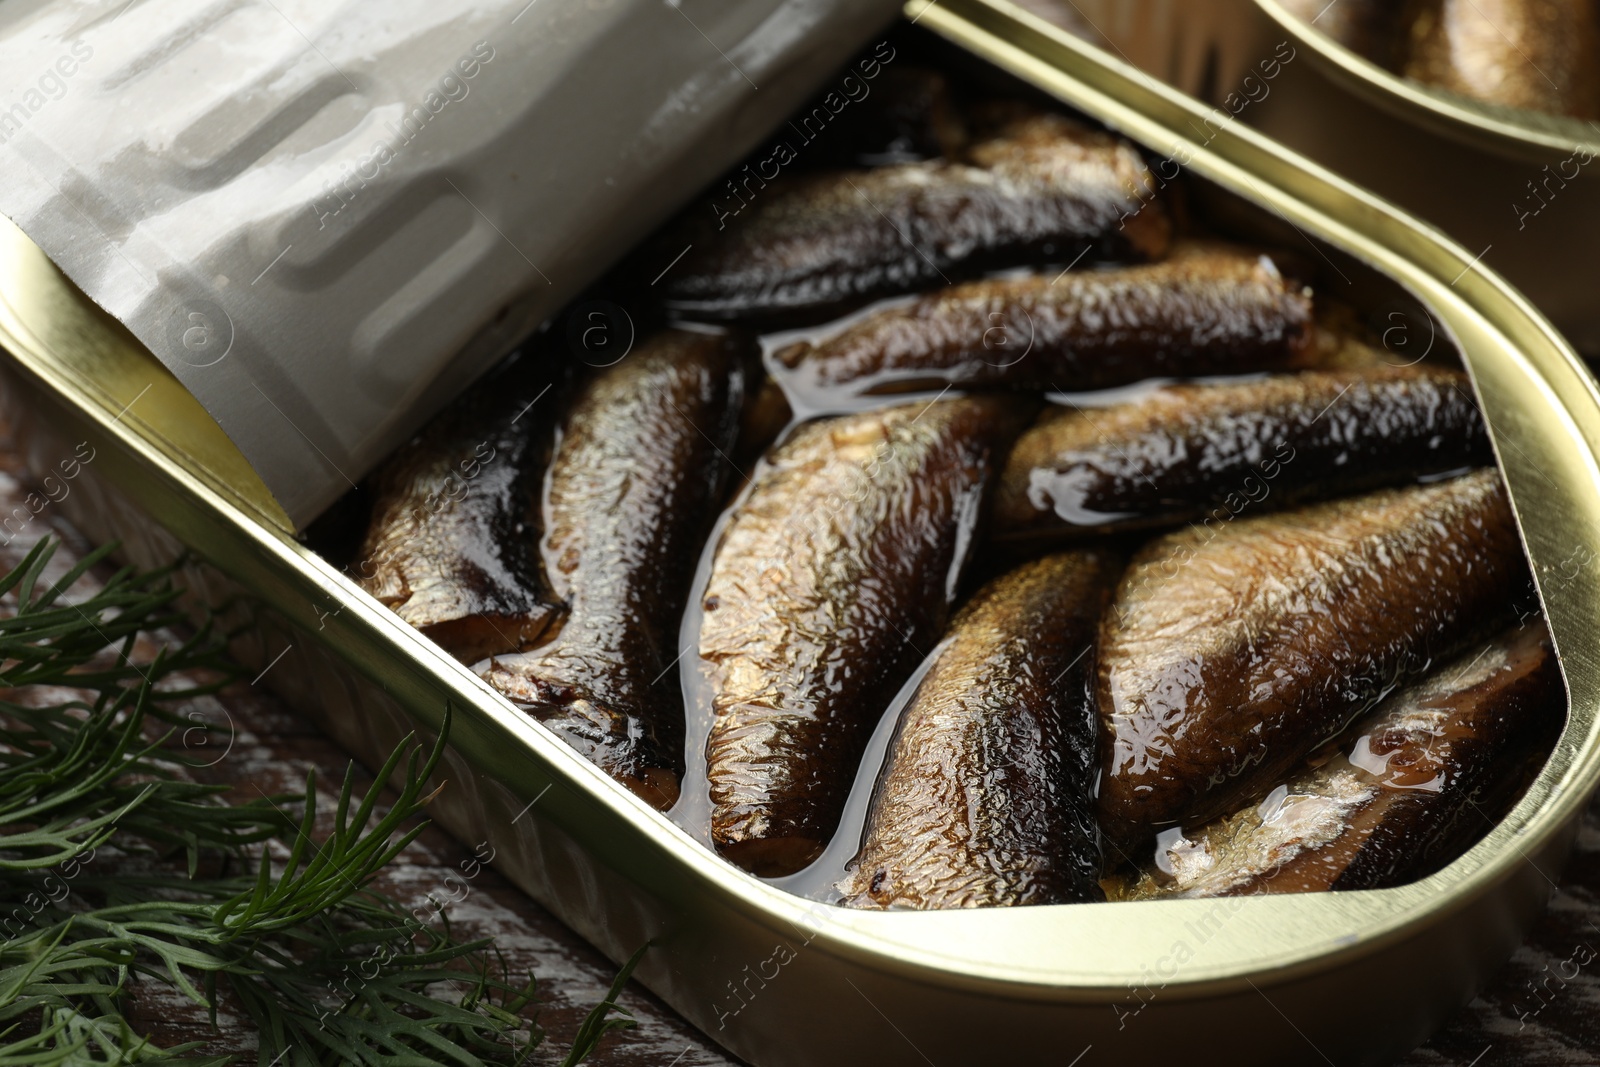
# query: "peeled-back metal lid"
326 218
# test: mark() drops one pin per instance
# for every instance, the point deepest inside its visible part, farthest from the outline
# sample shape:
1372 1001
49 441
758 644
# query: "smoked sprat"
1056 549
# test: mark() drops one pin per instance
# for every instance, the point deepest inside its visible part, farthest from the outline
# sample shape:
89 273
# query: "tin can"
1357 977
1519 189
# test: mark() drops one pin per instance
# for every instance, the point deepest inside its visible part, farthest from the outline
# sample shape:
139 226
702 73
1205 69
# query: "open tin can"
1357 977
1511 133
1517 188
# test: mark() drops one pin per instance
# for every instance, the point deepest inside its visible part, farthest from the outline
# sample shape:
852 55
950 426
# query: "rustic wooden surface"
1541 1010
270 750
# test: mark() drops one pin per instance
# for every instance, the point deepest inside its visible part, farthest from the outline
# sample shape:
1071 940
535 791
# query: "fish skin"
636 478
449 547
1231 651
986 798
805 246
1208 310
832 578
1396 800
1234 446
1538 55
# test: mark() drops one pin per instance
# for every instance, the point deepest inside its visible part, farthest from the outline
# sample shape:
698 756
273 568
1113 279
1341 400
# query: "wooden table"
1541 1010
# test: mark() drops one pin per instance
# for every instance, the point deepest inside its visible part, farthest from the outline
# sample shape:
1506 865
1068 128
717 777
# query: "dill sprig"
103 842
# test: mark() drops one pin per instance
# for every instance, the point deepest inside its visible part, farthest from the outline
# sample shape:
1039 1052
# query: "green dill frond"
116 869
605 1016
